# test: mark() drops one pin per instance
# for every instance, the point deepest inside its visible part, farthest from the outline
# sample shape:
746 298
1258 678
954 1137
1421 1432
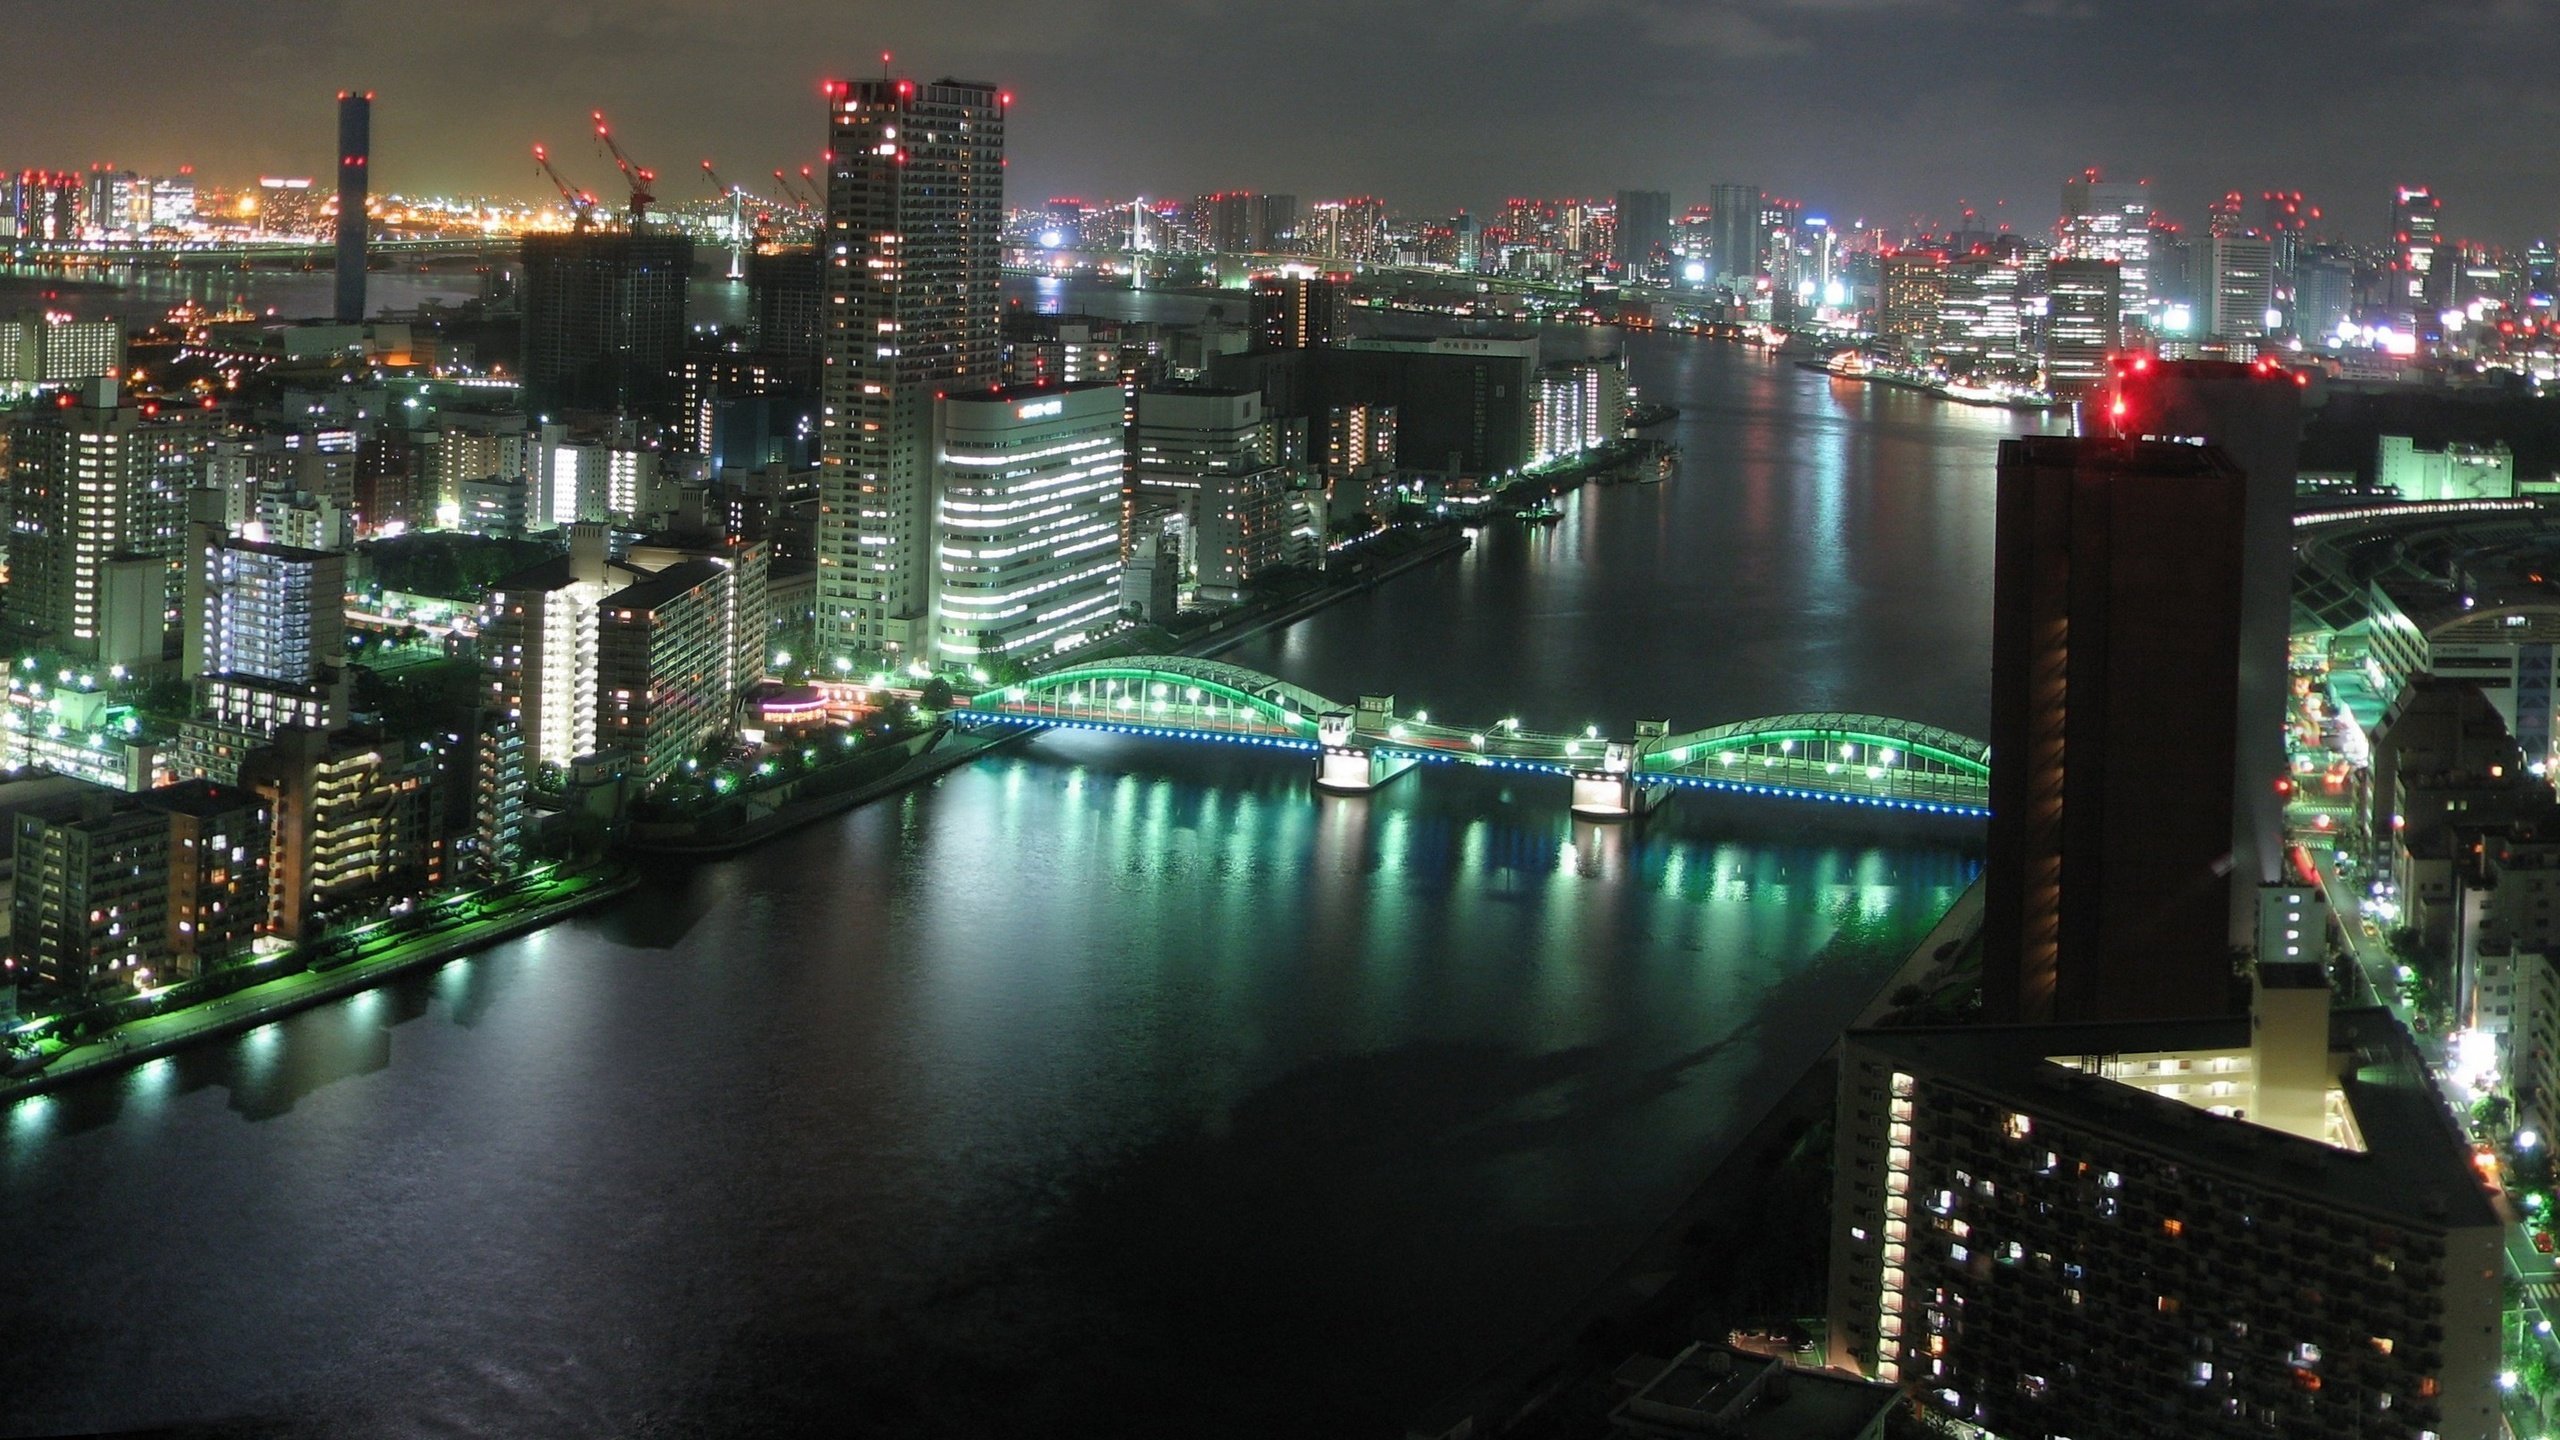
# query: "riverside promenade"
136 1041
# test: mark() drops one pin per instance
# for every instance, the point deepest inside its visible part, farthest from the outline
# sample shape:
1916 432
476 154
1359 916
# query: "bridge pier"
1345 767
1615 791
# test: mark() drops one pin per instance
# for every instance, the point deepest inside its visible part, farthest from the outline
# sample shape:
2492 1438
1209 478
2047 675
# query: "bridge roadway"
1848 759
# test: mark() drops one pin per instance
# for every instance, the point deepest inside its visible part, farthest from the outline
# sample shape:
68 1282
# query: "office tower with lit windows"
2111 220
2239 286
1912 285
2081 323
355 155
914 238
49 349
1641 243
99 489
1029 503
604 322
2419 276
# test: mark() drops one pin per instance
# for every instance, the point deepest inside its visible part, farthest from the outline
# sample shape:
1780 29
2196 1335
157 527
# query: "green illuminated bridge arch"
1859 759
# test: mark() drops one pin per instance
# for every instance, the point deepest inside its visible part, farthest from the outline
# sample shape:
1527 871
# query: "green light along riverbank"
299 986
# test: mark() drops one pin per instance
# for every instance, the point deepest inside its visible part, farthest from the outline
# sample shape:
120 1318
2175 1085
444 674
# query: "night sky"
1887 109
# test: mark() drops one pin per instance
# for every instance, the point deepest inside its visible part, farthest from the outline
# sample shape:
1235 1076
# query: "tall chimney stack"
355 145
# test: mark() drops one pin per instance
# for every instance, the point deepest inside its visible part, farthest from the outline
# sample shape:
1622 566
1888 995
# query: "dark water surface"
1100 1083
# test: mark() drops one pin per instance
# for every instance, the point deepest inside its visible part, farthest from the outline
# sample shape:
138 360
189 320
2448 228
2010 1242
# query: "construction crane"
799 198
737 220
582 206
639 178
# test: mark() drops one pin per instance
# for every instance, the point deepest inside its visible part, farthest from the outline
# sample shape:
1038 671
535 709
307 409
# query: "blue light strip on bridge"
1282 742
1274 742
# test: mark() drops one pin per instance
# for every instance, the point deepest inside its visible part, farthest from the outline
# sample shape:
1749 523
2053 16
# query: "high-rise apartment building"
353 825
2082 323
604 322
126 890
1738 244
1298 311
100 488
2235 1227
2115 658
914 237
355 158
265 631
663 666
538 647
1641 243
2111 220
1029 523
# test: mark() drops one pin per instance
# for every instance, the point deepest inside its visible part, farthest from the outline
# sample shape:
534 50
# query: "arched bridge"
1851 759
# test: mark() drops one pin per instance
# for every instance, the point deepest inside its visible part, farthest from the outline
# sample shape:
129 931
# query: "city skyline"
1849 104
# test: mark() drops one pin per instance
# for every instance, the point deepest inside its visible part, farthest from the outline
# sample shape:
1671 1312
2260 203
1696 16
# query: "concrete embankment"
136 1041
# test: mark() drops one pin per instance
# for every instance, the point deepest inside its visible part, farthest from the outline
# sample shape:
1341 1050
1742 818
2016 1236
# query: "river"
1100 1078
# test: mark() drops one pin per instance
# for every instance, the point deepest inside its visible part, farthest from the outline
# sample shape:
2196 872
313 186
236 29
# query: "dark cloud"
1883 108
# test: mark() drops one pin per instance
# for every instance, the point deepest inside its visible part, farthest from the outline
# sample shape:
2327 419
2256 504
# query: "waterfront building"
218 843
914 237
2117 581
99 491
115 889
2234 1226
604 322
41 349
265 629
1297 310
1581 405
665 659
1245 526
1980 315
499 783
2082 322
89 910
1912 285
1029 515
743 602
1464 404
352 818
2111 220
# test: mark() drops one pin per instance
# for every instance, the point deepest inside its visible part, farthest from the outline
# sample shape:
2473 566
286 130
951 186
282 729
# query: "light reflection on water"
1100 1076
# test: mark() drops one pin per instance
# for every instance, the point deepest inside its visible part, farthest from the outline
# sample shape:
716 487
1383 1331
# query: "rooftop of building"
651 591
1037 390
201 798
2415 1169
2149 457
1715 1389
